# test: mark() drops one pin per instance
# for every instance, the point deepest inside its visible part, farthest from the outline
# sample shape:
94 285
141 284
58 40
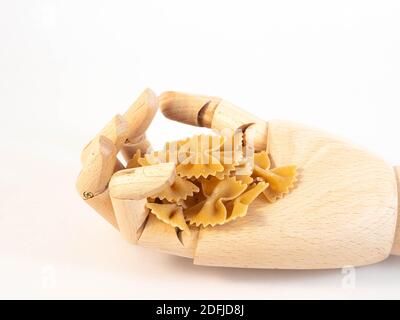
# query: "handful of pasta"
217 178
254 194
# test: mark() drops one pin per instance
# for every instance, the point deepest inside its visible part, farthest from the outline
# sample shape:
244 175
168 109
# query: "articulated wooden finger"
102 204
140 183
229 116
211 112
129 190
396 244
98 168
140 114
162 237
191 109
99 157
128 131
129 148
100 163
130 216
116 131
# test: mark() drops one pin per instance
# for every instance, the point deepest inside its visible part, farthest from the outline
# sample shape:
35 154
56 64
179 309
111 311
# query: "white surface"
66 67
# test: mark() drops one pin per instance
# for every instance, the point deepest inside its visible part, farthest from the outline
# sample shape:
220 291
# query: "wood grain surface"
342 212
396 244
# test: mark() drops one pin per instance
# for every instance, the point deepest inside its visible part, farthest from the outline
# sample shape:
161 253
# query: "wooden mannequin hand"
342 212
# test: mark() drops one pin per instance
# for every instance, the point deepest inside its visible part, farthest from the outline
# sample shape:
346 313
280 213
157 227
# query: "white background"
66 67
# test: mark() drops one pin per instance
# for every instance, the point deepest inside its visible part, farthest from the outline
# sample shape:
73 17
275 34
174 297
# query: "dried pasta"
240 205
202 157
212 211
232 148
170 213
281 180
228 168
151 159
215 182
134 162
178 191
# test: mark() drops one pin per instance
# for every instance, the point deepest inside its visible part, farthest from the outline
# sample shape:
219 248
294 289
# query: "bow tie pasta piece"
150 159
239 206
245 179
175 146
228 168
192 201
134 162
170 153
262 160
202 157
171 214
178 191
232 148
232 156
245 168
212 211
187 169
281 180
157 157
173 151
231 153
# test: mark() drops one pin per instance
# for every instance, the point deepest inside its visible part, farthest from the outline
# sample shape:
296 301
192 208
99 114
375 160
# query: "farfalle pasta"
216 181
178 191
238 207
202 157
212 211
170 213
281 180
